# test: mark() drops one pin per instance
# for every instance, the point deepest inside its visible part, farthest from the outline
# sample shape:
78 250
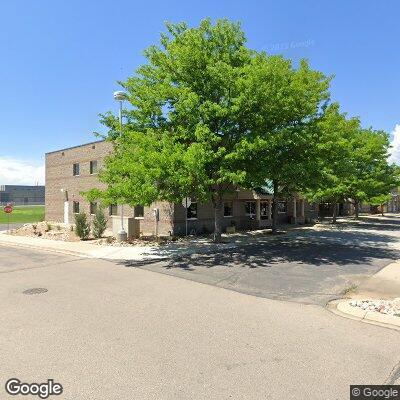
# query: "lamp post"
121 96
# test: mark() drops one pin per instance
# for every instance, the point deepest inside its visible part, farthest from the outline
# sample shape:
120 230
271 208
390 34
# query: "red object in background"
8 209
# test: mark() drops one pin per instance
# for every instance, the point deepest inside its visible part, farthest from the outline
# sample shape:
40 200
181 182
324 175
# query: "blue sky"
60 61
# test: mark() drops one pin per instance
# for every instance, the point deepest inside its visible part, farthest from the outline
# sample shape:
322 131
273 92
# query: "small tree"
99 223
82 225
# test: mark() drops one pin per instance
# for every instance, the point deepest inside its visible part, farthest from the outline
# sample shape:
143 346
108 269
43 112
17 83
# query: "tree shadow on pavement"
323 248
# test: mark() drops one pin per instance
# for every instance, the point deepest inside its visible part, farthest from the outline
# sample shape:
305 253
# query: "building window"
250 208
264 210
228 209
191 211
113 209
93 167
139 211
75 169
75 207
93 208
282 207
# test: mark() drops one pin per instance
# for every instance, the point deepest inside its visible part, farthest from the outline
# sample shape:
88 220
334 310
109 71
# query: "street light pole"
120 97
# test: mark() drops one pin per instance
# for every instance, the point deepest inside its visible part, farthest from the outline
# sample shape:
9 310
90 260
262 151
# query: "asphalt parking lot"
310 267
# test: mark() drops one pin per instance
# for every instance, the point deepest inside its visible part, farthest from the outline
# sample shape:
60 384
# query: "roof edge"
75 147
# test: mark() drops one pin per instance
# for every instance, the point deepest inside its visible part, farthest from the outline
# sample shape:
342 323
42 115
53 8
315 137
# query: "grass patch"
350 290
23 214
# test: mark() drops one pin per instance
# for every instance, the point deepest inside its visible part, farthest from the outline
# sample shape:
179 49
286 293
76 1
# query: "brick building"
73 170
22 195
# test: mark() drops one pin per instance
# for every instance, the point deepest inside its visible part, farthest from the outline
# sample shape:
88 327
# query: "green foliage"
207 113
379 200
99 223
352 161
82 226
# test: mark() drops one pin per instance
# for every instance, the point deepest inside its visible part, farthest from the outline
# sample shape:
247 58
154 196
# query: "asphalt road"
4 227
311 267
107 332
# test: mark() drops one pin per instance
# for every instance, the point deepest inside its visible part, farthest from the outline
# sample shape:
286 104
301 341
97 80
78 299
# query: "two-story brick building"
74 170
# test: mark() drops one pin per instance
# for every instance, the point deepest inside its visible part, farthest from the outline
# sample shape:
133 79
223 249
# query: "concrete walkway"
132 253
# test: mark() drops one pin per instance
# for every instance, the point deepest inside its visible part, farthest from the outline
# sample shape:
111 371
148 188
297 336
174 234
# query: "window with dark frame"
75 207
250 208
191 211
281 207
138 211
228 209
93 167
93 208
264 210
113 209
75 169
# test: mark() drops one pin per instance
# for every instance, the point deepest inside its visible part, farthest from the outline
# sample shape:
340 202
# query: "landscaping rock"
389 307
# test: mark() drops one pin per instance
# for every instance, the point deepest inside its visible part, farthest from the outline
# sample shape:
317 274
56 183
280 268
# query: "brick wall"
59 175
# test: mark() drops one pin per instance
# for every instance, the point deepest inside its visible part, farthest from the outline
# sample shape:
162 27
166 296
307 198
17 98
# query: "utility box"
131 226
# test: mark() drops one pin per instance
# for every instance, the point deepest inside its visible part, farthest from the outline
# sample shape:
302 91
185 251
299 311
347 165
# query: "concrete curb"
344 309
111 253
46 249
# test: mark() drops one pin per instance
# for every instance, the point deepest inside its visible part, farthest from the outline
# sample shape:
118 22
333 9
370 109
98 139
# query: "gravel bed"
389 307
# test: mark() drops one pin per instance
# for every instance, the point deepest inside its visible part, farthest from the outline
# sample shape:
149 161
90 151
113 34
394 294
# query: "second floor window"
113 210
75 169
139 211
93 167
93 208
75 207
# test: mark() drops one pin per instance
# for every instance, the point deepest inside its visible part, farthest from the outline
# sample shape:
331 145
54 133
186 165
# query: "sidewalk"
384 285
197 245
133 253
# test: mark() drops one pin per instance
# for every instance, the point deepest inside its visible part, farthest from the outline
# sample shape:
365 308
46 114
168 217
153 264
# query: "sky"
60 62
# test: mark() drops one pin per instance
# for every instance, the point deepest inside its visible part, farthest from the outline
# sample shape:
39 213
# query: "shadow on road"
307 266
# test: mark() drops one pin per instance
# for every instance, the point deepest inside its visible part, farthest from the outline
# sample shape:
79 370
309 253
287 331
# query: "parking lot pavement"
310 267
107 332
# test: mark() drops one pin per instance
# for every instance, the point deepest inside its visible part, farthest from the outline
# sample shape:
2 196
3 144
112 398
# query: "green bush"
99 223
82 225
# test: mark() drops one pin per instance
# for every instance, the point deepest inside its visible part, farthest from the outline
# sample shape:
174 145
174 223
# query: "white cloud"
19 172
395 143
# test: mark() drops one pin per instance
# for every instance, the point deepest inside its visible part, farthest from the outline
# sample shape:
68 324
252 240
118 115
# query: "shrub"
82 225
99 223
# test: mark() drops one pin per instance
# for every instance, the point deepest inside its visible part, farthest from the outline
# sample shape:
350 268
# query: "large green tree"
352 162
335 136
209 115
286 103
371 175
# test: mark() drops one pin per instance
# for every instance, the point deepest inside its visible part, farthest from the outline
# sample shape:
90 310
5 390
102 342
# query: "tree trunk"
334 213
356 208
218 206
275 209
